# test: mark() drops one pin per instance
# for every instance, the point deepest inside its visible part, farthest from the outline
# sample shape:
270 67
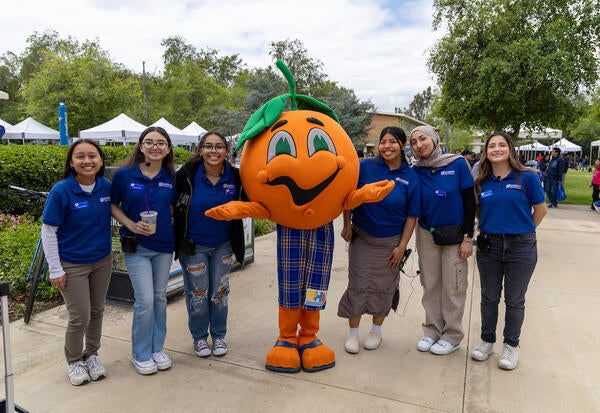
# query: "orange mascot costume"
299 170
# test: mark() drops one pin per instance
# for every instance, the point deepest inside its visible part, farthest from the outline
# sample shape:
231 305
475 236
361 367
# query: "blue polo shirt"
82 218
441 193
131 189
386 218
204 230
505 205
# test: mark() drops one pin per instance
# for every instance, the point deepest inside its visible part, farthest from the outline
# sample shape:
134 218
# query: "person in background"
204 245
595 184
379 234
542 167
469 156
145 183
554 176
506 246
448 199
76 236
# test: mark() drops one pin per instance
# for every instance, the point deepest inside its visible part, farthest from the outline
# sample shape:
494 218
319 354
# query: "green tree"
507 62
307 71
421 104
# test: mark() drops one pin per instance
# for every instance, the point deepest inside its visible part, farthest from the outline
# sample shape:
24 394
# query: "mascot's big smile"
299 195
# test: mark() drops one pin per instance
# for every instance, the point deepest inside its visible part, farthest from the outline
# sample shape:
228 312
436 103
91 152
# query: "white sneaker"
78 373
352 345
144 367
162 360
509 358
372 341
201 348
482 351
425 343
442 347
95 368
219 347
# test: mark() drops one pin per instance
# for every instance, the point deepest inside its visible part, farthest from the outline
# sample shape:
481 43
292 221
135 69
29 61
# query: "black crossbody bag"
446 234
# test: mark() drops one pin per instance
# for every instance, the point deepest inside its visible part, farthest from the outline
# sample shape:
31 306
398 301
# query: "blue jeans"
206 285
149 274
512 258
552 191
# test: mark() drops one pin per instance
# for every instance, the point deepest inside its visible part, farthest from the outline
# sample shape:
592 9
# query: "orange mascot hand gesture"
373 192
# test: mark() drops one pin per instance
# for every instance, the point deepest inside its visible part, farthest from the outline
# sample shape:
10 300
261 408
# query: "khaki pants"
84 297
444 280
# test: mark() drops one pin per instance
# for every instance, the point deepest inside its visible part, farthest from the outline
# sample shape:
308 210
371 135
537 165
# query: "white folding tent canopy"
534 146
31 130
178 137
5 124
195 130
121 129
594 144
566 146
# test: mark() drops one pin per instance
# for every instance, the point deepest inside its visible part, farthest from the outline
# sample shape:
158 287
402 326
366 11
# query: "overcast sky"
378 48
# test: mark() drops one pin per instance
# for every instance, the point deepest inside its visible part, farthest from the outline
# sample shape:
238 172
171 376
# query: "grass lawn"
577 187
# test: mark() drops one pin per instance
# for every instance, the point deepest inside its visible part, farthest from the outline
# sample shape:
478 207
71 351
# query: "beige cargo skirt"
371 282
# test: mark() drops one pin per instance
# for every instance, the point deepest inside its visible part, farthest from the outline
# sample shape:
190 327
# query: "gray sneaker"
162 360
78 373
219 347
482 351
95 368
509 358
201 348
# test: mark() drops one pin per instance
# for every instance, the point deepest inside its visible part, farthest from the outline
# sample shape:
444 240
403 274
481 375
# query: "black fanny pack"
448 234
129 243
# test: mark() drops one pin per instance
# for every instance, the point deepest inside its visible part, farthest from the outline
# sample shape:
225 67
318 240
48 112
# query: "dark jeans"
512 258
595 194
552 189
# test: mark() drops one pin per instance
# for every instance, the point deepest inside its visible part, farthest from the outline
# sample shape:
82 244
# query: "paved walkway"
559 369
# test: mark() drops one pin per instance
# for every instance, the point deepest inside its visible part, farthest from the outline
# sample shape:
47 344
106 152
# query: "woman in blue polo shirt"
506 246
448 201
77 243
205 245
146 183
379 234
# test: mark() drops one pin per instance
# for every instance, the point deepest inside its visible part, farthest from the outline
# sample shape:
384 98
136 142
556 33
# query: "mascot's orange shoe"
284 356
315 355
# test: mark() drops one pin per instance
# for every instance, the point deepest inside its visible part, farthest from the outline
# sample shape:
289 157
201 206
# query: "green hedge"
39 167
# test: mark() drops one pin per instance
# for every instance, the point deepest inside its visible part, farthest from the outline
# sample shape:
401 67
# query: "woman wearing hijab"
444 239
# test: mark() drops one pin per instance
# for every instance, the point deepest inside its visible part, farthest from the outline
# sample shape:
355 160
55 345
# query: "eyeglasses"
159 144
218 147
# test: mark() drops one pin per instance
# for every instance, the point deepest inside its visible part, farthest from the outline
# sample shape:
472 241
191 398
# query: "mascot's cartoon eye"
319 140
281 143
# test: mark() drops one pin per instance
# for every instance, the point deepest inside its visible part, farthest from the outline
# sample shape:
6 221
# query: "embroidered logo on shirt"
229 189
165 185
440 193
485 194
80 205
315 298
136 187
104 199
448 173
402 181
513 186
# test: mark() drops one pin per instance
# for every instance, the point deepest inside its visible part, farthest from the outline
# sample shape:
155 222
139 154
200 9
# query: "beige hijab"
437 159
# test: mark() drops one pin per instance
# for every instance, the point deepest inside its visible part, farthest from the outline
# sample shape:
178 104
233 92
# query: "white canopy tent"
195 130
178 137
566 146
121 129
594 144
5 124
545 133
31 130
534 146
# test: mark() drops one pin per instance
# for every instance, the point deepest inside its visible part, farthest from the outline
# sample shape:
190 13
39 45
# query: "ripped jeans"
206 285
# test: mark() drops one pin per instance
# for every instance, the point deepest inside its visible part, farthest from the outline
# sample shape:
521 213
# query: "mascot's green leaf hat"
266 116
